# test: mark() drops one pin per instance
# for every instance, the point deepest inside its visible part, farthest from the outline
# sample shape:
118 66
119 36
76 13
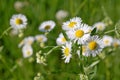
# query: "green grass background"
37 11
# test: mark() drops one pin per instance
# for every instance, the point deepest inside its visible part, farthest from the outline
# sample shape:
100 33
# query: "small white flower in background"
100 26
61 39
94 45
116 43
28 40
41 38
107 40
73 23
18 5
47 26
18 21
79 34
61 14
27 51
67 51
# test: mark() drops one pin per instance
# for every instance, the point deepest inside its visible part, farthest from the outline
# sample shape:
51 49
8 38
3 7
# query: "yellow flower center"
115 44
92 45
106 41
66 51
28 52
47 27
100 27
79 33
63 39
71 24
18 21
40 39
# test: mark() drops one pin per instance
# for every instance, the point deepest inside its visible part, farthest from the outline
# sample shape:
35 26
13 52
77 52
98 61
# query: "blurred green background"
14 67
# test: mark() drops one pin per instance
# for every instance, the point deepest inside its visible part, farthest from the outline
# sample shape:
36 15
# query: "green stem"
5 32
52 50
109 31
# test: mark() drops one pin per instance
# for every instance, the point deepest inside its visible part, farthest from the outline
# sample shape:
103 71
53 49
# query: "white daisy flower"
67 51
18 21
27 51
73 23
80 34
47 26
100 26
61 39
28 40
61 14
94 45
116 43
41 38
107 40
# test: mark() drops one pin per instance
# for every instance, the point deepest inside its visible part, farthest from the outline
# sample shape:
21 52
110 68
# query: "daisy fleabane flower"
47 26
116 43
100 26
41 38
28 40
73 23
61 39
94 46
107 40
67 51
18 21
79 34
27 51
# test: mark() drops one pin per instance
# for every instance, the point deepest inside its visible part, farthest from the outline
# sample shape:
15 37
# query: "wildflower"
100 26
18 21
47 26
27 51
61 39
28 40
73 23
116 43
79 34
107 40
41 38
94 46
67 51
61 14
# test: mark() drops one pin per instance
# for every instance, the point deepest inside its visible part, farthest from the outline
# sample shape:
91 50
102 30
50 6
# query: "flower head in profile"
100 26
18 21
79 34
47 26
61 39
94 46
107 40
27 51
67 51
28 40
73 23
41 38
116 43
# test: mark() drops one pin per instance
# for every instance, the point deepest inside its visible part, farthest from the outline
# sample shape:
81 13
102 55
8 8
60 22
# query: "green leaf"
93 32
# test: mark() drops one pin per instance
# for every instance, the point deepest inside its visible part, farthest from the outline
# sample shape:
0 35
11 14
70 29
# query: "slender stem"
5 32
52 50
109 31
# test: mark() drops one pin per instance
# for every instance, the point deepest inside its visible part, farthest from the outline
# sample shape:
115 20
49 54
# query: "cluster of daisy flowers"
77 38
18 22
